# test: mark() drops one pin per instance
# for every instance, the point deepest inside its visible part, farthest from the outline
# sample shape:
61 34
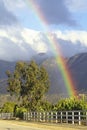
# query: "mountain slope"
77 66
4 66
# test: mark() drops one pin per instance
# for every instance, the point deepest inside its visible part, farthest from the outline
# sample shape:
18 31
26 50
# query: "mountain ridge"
76 64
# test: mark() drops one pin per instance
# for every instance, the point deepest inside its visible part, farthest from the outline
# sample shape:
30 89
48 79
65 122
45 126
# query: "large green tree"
29 82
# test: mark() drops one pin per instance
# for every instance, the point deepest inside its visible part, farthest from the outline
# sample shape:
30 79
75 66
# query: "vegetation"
70 104
19 112
8 107
29 83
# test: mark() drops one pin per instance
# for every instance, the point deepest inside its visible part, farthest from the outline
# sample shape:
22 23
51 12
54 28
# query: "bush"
20 111
45 106
70 104
8 107
0 110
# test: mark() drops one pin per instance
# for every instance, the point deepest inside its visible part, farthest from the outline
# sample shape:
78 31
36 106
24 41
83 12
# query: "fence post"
24 116
86 117
37 116
47 116
79 118
40 116
56 117
73 118
51 117
12 115
28 116
31 116
66 117
44 116
61 116
34 116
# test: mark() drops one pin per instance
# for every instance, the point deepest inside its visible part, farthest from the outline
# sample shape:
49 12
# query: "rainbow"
69 83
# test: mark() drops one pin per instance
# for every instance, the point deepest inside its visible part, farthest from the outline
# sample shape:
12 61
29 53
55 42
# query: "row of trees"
68 104
62 105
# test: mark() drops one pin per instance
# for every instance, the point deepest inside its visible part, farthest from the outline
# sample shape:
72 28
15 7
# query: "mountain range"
77 66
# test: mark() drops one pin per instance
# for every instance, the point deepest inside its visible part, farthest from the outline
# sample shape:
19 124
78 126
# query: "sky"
24 23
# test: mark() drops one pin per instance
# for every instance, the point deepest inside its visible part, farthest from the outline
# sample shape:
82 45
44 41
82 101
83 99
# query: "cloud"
12 5
56 12
12 46
69 49
35 39
23 43
71 42
73 36
6 17
12 51
20 44
74 6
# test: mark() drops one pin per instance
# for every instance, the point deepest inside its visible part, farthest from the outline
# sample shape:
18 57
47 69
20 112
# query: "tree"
29 82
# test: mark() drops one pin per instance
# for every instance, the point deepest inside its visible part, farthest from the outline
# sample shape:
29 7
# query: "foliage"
70 104
8 107
44 106
0 110
28 82
20 111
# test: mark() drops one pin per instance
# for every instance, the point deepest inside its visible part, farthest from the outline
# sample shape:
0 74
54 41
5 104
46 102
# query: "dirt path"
16 125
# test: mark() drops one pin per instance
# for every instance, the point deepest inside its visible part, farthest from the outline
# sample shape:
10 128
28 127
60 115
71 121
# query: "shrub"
8 107
20 111
71 104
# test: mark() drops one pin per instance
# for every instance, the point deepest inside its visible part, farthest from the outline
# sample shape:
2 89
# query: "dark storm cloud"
6 17
56 12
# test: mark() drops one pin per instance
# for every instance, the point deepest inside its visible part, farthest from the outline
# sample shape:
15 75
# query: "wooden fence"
6 116
73 117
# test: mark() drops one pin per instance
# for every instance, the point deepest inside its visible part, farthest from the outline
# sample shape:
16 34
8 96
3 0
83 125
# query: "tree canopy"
29 82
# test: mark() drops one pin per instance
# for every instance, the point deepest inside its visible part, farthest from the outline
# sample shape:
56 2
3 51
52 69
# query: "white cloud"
23 43
20 44
34 39
73 36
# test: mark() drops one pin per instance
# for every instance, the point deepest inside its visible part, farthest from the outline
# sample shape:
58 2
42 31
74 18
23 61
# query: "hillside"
76 64
78 67
4 66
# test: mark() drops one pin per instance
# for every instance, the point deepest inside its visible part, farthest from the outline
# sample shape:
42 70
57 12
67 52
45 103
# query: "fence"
6 115
73 117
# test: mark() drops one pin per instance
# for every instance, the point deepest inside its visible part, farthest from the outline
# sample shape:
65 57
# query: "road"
15 125
6 125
